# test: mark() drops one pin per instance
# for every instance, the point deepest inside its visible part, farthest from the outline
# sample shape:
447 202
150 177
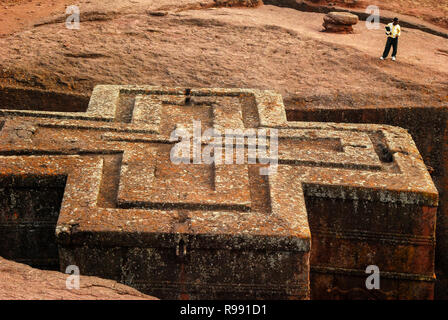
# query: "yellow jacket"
395 31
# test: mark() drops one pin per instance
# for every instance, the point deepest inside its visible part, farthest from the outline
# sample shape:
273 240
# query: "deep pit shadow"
42 100
29 211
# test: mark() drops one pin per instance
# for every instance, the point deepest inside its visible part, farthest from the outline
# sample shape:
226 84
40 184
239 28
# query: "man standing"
393 31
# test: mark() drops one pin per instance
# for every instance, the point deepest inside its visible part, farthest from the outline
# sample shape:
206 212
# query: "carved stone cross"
342 197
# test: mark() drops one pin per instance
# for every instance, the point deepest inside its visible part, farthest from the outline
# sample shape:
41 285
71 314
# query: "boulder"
341 22
22 282
338 28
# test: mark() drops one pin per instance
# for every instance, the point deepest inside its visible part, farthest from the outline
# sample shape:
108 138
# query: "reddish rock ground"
21 282
266 47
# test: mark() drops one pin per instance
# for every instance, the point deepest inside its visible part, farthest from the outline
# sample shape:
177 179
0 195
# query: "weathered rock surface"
19 281
340 22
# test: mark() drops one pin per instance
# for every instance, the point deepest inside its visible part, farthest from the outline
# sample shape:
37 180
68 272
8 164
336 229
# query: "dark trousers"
391 42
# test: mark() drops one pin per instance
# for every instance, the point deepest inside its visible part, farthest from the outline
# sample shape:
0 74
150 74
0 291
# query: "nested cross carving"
122 184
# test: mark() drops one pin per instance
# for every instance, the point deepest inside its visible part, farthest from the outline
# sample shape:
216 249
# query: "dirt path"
19 15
